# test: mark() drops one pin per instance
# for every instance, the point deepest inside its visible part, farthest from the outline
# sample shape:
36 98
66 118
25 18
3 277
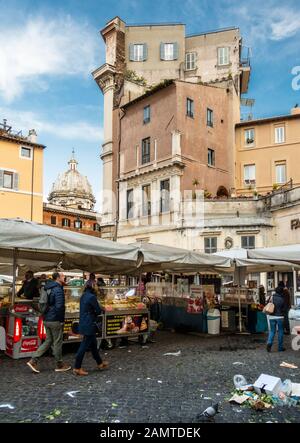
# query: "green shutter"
162 51
16 181
131 52
145 51
175 51
1 178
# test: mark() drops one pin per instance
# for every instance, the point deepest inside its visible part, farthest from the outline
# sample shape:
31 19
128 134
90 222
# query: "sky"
48 49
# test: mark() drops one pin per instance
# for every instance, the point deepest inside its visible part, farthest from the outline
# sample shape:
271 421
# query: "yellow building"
21 175
267 153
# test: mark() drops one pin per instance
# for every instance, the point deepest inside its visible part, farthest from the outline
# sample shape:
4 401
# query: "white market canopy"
290 253
43 247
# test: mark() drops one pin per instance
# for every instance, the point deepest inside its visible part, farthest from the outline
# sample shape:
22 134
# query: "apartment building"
267 153
21 175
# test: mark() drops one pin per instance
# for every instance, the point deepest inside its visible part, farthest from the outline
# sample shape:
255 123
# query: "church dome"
72 189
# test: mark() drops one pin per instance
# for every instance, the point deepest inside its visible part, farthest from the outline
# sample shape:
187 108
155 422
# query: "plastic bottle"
286 387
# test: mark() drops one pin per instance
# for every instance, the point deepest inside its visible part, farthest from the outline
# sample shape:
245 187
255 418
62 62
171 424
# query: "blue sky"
49 48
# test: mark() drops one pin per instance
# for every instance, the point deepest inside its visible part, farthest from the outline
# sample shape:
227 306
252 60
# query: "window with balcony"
210 117
146 200
53 220
169 51
66 222
210 245
280 172
248 241
130 203
249 137
138 52
211 157
189 107
145 150
165 195
279 134
146 114
190 61
223 56
249 175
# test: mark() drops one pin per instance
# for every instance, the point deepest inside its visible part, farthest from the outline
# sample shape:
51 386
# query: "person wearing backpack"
276 318
54 315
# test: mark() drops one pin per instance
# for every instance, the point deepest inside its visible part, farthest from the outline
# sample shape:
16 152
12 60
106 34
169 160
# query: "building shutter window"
1 178
131 52
162 51
175 51
145 52
16 181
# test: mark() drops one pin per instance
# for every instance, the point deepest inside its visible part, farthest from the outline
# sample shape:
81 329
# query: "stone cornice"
174 168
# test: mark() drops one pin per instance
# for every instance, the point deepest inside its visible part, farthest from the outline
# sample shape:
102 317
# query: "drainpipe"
121 115
32 181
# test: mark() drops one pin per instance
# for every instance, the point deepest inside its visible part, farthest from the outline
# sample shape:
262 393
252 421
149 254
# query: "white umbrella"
289 253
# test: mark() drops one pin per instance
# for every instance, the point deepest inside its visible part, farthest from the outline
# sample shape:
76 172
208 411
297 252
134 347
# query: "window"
53 220
223 56
25 152
168 51
77 224
189 107
130 203
249 137
190 61
248 241
165 195
138 52
8 180
211 157
279 135
210 245
147 114
96 227
280 172
145 150
146 198
249 174
210 117
66 222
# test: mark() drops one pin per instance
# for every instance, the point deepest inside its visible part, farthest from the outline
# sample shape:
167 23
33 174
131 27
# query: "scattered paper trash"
296 389
6 405
159 381
176 354
239 399
72 393
207 398
288 365
267 384
138 379
108 381
238 363
148 378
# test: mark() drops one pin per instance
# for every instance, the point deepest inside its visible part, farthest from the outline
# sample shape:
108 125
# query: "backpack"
44 300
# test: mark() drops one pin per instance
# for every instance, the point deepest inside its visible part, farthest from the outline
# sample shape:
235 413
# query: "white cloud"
30 52
75 130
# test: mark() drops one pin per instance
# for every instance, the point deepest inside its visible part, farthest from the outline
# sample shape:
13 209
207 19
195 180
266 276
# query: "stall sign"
22 308
126 324
9 345
29 345
195 305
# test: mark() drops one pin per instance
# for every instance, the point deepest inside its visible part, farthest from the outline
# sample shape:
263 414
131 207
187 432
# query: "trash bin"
213 321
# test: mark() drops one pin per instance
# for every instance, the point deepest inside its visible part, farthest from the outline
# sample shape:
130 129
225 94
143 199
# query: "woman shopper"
276 318
89 310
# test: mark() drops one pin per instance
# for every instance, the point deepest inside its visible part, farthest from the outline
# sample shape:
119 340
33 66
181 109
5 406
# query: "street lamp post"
77 223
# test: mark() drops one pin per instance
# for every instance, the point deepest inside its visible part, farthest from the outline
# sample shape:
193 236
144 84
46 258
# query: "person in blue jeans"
89 310
276 319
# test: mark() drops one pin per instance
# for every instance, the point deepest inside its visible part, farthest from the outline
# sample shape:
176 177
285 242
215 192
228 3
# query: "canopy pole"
14 275
240 311
295 285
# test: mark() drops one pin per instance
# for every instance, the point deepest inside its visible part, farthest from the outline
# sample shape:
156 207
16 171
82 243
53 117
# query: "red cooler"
24 331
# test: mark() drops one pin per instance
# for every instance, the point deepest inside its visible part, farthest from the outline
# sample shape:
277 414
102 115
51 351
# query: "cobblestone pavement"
144 385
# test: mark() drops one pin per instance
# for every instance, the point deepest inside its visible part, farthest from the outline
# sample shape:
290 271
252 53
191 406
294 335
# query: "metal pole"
240 311
14 275
295 285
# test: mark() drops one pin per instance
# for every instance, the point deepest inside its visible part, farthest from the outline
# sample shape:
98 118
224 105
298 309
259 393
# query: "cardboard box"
267 384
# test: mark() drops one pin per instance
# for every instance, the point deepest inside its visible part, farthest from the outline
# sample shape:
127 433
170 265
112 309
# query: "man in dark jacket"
276 318
30 287
53 322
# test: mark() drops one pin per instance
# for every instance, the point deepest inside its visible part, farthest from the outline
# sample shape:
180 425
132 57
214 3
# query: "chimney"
32 136
295 110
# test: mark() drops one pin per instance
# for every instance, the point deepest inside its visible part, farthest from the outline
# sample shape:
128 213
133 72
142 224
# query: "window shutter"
1 178
145 52
162 51
175 51
131 52
16 181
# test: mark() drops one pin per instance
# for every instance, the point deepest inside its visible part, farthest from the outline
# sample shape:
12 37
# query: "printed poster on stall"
195 302
118 325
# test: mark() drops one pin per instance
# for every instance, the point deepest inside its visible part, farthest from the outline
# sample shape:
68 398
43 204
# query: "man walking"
53 321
